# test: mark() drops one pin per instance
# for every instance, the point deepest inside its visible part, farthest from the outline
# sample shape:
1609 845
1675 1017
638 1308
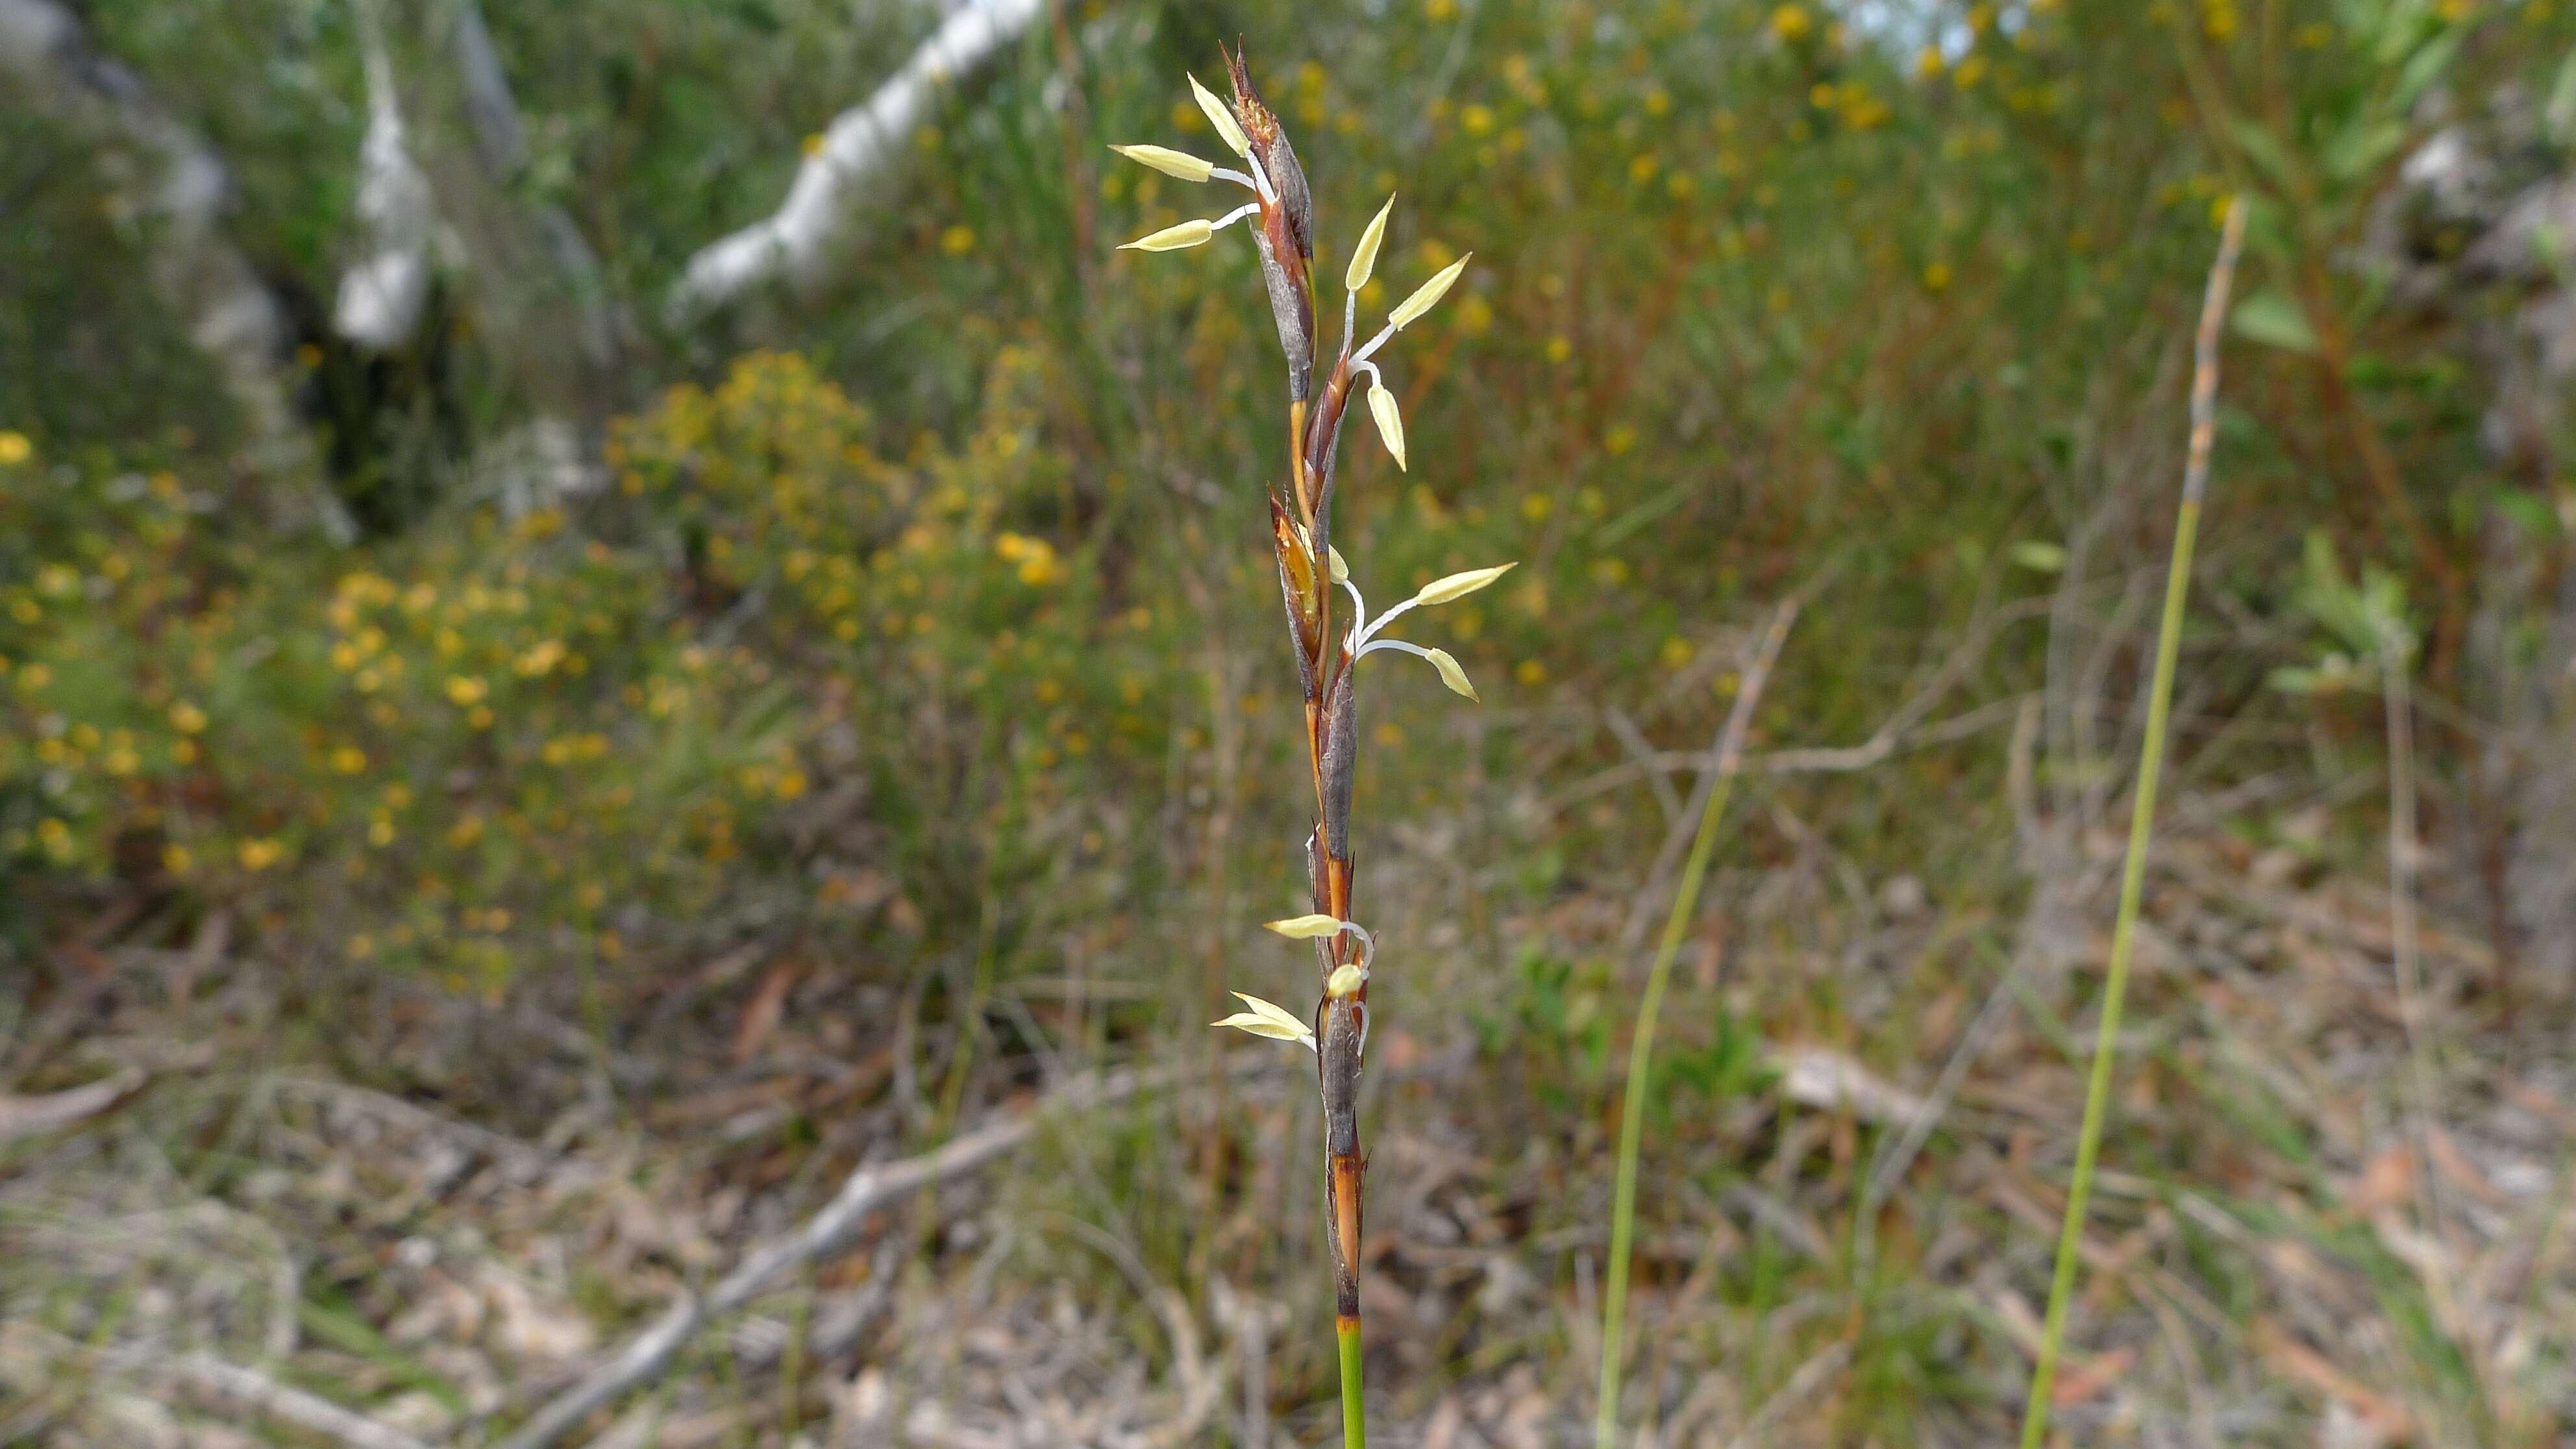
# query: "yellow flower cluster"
490 729
1035 557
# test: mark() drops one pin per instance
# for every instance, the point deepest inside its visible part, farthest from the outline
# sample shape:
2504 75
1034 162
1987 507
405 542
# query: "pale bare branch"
645 1356
800 243
54 1111
382 293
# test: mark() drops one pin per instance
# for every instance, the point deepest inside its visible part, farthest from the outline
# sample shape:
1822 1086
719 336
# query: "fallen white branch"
260 1394
866 1190
54 1111
1828 1081
801 241
381 294
32 1357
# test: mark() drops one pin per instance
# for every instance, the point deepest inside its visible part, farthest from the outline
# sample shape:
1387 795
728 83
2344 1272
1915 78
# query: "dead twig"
249 1389
1708 805
54 1111
1722 762
1643 755
27 1351
648 1354
1199 1388
1901 729
1810 1377
520 1158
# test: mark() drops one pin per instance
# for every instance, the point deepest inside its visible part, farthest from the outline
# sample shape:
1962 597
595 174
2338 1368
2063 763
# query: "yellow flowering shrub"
703 690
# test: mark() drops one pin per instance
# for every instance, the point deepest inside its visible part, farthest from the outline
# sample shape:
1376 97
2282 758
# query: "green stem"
1632 1114
1719 783
2124 932
1354 1411
2142 815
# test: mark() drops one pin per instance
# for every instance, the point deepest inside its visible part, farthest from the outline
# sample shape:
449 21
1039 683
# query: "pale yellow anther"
1453 676
1168 161
1364 260
1427 295
1304 928
1459 586
1173 238
1265 1019
1390 423
1222 118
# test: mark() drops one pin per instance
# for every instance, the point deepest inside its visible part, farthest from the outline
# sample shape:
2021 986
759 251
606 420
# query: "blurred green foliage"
925 621
474 746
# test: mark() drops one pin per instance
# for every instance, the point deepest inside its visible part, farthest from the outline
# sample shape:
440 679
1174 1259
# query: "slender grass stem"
1632 1114
1715 787
2133 871
2097 1092
1354 1407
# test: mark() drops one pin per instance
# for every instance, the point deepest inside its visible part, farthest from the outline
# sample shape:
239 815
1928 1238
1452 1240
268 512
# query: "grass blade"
1714 787
2133 871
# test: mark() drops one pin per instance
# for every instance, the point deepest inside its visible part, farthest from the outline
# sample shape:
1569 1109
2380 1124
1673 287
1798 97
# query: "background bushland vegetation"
524 773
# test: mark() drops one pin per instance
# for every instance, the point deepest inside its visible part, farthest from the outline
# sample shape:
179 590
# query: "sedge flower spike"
1329 643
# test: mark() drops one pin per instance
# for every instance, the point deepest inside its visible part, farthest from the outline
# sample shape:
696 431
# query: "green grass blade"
2097 1093
1632 1107
2133 870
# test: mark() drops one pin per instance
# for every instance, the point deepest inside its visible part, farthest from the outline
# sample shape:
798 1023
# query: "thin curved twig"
1903 728
1199 1388
259 1393
1708 803
645 1356
53 1111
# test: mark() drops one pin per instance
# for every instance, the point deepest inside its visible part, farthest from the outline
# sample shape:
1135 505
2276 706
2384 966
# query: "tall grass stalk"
2133 871
1714 787
1312 574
